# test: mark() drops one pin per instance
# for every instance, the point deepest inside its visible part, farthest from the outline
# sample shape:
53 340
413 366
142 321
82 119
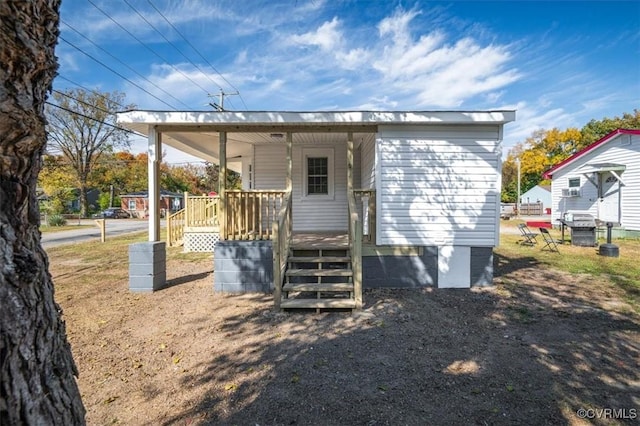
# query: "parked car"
113 213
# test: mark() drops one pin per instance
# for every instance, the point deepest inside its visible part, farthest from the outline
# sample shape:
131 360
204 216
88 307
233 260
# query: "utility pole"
220 106
518 199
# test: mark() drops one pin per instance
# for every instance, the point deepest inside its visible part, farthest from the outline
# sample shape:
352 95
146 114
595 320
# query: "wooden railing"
250 214
355 245
175 228
366 206
201 211
281 237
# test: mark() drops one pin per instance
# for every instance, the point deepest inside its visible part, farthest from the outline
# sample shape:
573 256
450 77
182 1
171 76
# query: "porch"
320 270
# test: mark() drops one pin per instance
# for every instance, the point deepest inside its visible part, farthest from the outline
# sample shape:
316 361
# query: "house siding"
623 149
438 185
309 214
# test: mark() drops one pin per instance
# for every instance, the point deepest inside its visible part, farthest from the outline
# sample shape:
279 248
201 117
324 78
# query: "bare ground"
534 349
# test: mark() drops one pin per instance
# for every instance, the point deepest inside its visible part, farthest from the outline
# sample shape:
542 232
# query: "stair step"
318 303
319 259
324 246
324 287
319 273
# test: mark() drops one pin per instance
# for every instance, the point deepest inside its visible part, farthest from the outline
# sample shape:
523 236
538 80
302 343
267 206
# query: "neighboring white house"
435 176
603 180
538 194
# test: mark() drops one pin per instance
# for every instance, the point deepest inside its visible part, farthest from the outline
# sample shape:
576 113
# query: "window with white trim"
317 166
574 182
132 204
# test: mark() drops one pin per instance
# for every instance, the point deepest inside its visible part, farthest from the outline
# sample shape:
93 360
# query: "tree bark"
37 383
84 200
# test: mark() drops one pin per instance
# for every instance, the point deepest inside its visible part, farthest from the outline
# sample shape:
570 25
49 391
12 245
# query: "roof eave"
605 139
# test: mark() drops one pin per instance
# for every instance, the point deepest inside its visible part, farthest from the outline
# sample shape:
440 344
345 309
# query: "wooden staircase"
318 277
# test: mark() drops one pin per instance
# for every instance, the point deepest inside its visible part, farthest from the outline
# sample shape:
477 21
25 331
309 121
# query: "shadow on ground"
525 352
187 279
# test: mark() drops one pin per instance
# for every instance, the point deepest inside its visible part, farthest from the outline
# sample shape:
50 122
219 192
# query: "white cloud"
327 36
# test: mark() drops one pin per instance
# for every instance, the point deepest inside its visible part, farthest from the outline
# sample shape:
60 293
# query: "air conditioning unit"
574 192
571 192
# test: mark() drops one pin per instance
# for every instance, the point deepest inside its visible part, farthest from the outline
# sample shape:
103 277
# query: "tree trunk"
37 383
84 200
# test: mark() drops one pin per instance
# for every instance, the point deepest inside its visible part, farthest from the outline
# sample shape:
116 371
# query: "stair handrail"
281 239
175 227
355 245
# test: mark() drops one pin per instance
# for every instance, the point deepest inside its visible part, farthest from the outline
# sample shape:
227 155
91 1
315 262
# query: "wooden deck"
318 240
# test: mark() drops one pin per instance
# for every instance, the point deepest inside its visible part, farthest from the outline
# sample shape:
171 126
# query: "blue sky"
559 64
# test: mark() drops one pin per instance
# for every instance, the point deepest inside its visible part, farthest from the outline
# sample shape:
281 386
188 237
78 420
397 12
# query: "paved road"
113 227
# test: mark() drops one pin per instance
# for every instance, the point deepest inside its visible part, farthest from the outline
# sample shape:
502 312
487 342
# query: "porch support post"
154 158
147 261
289 181
222 185
349 162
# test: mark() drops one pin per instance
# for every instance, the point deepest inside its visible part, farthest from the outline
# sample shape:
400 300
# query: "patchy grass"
622 272
113 254
47 228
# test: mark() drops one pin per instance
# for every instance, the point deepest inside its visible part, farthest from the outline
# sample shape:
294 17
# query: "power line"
94 119
117 73
83 102
170 43
125 64
102 95
147 47
198 52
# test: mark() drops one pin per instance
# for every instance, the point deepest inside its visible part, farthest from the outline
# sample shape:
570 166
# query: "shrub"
56 220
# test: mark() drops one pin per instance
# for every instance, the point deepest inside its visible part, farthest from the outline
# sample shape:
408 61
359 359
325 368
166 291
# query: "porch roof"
602 168
196 132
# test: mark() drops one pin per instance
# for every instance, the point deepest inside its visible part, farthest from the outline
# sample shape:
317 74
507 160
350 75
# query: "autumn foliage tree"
544 148
82 129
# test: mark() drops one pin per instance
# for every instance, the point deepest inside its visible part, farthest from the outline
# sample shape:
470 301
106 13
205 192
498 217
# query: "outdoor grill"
583 229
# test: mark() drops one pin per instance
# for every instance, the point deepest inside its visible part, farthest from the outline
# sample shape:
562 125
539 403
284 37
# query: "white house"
602 179
538 194
423 187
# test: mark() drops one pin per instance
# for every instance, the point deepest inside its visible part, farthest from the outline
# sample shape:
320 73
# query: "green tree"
57 182
596 129
82 129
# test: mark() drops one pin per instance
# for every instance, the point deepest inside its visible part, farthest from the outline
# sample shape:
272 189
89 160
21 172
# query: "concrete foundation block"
243 267
147 266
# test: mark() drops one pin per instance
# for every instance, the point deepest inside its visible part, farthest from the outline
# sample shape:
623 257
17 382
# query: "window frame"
571 182
132 200
308 153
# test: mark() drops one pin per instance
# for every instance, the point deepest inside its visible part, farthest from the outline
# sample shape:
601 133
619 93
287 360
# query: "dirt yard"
541 347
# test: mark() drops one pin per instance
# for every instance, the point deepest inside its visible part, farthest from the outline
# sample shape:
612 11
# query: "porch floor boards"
320 240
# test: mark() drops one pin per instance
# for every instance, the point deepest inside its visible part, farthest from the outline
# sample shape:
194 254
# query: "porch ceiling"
206 145
197 133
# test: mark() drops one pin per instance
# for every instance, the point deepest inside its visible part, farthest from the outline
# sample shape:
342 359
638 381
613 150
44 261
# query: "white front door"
609 201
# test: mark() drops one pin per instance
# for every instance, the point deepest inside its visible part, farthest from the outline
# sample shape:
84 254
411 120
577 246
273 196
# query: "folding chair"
529 237
548 241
